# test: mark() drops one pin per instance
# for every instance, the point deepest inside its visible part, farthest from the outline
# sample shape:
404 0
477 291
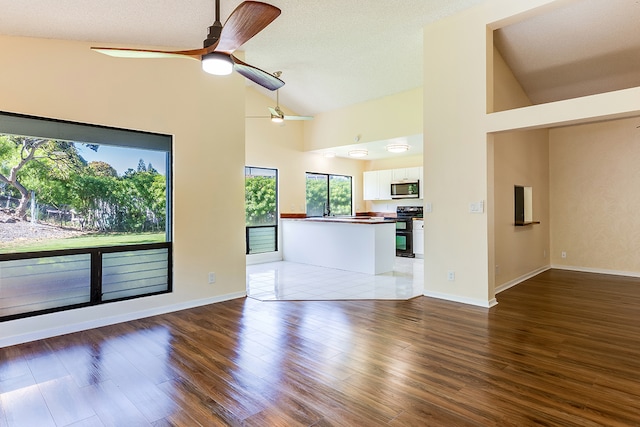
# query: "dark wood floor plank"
561 349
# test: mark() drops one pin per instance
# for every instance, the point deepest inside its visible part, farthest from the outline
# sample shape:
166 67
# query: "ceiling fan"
216 55
276 114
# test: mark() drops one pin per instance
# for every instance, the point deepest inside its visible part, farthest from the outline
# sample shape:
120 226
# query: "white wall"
65 80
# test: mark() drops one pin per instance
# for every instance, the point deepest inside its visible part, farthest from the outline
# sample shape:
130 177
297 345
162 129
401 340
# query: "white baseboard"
521 279
596 270
456 298
264 258
111 320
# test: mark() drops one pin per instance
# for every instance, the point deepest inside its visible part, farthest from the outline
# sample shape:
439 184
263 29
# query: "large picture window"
84 215
328 195
261 210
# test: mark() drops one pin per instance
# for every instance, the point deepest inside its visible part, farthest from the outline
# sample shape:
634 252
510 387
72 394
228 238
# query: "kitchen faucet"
326 207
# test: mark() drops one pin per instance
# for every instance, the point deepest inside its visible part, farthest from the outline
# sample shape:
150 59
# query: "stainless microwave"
405 189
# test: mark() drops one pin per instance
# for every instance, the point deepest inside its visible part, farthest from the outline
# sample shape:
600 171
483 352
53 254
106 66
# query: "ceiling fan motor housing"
214 34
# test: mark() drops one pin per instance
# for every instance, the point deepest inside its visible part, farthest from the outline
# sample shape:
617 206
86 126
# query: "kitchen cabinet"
406 174
418 237
377 185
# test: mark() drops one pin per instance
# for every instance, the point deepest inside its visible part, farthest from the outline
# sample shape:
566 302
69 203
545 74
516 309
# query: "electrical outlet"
564 254
212 277
544 253
497 270
451 276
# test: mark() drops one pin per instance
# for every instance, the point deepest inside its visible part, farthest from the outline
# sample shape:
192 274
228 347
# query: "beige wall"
463 156
282 147
455 158
65 80
521 158
384 118
594 197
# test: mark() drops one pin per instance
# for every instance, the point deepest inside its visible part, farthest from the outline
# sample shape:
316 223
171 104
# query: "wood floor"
560 349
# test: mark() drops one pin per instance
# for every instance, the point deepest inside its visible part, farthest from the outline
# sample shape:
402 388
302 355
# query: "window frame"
328 177
275 224
20 124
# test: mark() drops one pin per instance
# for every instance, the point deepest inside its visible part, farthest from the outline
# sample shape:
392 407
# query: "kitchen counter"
354 244
349 220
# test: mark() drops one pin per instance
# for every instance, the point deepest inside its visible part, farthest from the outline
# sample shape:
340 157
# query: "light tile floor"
286 280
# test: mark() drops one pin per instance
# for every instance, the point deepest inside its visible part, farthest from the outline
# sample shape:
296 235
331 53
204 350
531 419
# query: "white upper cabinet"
370 190
377 185
384 184
406 174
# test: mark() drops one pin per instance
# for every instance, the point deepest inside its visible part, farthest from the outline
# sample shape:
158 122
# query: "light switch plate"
476 207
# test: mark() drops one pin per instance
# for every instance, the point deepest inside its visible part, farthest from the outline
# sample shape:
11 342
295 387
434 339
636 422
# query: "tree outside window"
328 195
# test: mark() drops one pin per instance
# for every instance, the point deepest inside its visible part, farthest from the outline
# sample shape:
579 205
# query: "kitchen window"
329 195
86 215
261 208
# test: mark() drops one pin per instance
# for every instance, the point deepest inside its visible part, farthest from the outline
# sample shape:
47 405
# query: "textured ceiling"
333 53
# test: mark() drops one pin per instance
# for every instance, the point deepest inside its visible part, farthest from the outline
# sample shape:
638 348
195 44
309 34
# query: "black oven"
404 237
404 229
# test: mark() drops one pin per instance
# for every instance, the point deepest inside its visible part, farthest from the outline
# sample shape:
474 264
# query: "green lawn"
92 240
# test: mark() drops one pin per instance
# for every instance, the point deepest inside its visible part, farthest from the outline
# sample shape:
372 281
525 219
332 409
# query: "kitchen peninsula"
354 244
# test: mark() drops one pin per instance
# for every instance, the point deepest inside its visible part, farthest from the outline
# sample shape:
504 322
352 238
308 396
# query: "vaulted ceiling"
335 53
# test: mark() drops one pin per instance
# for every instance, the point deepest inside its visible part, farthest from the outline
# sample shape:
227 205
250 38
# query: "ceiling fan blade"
256 75
298 117
144 53
245 21
273 111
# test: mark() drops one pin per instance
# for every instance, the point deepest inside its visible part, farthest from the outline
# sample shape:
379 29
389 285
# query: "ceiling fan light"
277 119
358 153
217 63
397 148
